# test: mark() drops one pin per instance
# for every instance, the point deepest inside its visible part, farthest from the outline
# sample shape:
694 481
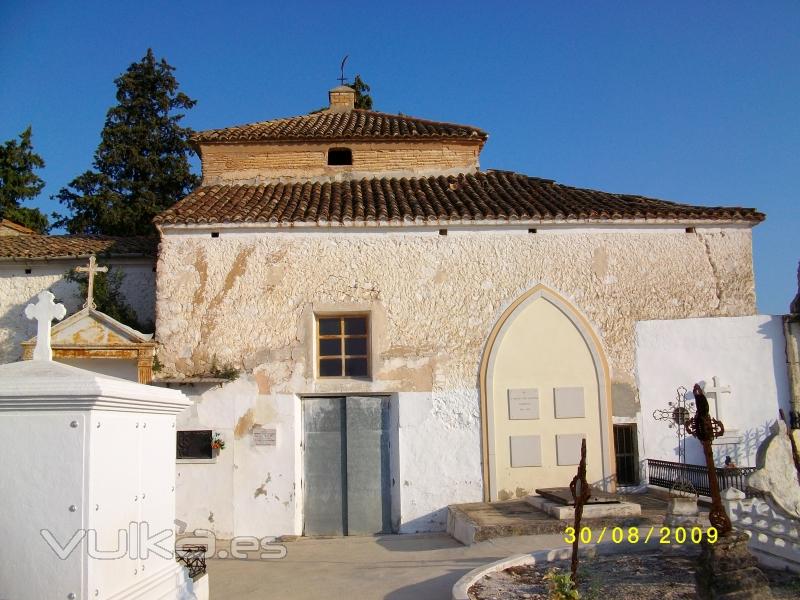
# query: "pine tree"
141 166
363 99
18 182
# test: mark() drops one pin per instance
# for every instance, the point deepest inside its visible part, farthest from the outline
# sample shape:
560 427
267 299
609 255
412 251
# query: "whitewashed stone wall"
248 300
747 354
17 289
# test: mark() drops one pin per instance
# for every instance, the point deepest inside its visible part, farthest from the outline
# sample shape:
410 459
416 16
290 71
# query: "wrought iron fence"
193 558
663 473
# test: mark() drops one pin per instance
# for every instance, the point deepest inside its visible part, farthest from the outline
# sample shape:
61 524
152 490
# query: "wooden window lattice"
343 346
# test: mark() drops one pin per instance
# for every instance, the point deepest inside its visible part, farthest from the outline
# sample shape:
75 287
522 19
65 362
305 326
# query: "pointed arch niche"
544 384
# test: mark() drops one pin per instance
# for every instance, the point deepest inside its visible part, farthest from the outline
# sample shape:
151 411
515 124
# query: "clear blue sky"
696 102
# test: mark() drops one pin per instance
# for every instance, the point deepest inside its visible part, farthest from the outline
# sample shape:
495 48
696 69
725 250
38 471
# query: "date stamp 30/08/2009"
632 535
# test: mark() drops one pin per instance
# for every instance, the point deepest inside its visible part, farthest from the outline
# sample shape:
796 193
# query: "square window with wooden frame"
343 346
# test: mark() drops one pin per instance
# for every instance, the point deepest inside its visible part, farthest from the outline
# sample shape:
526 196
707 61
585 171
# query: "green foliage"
18 182
141 166
363 98
560 586
228 372
107 296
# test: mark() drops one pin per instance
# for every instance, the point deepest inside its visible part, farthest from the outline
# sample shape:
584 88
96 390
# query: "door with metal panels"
346 480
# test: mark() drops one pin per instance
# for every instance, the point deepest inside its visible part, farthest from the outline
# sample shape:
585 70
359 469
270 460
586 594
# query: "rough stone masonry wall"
257 163
247 301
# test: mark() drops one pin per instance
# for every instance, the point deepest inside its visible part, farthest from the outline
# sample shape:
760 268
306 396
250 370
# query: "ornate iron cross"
677 413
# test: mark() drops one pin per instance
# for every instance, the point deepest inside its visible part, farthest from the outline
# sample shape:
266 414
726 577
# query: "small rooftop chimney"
342 99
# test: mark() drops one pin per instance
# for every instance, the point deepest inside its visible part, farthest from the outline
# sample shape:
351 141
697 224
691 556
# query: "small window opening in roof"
443 232
531 230
338 157
27 271
691 230
215 234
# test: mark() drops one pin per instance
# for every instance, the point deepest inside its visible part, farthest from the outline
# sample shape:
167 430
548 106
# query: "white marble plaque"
526 451
569 402
264 437
568 448
523 404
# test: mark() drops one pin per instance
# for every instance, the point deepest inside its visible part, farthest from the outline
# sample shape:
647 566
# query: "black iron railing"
663 473
193 557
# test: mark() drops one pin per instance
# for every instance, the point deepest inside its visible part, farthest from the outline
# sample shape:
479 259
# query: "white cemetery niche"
526 450
523 404
84 457
569 403
568 448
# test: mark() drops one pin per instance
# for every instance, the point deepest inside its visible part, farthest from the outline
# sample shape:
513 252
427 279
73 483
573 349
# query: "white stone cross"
91 270
717 390
44 311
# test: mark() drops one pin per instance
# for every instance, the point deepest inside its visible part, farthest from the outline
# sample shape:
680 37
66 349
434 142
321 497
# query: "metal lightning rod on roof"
342 78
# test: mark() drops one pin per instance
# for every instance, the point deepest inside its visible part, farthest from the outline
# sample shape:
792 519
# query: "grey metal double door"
346 481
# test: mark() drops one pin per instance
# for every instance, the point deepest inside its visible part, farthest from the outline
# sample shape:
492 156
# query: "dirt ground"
645 576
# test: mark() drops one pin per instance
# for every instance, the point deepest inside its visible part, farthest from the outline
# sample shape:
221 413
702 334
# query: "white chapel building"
376 328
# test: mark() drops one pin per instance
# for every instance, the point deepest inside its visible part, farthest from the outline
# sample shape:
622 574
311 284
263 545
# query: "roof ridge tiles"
354 124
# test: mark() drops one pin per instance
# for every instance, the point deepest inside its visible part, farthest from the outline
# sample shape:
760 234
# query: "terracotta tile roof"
66 246
486 196
16 227
356 124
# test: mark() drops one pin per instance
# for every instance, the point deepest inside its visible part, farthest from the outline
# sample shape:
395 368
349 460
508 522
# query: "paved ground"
395 567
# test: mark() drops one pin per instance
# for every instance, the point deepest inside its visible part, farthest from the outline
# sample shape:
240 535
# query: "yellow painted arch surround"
599 358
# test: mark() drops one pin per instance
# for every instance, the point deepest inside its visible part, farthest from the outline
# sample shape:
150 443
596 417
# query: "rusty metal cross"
706 429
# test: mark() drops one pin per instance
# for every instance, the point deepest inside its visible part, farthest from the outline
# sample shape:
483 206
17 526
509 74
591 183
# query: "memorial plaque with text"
523 404
264 437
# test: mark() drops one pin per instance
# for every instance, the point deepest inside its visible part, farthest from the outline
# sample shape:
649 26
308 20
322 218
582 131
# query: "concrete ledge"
590 511
461 588
460 526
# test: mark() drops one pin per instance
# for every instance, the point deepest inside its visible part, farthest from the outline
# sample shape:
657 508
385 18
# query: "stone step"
479 521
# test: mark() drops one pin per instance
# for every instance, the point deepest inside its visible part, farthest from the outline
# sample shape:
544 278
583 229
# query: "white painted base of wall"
257 490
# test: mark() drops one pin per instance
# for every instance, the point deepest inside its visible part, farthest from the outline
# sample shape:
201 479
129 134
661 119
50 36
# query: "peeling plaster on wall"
18 289
235 487
432 311
600 263
218 302
244 424
261 490
624 400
